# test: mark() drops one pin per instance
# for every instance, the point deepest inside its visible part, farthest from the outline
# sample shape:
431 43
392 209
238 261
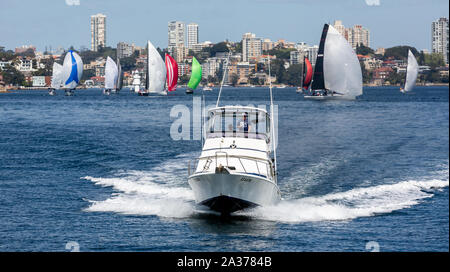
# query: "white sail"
411 72
341 68
56 76
111 74
72 70
156 70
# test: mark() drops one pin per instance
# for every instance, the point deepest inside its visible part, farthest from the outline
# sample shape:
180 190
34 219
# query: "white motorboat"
207 88
237 166
337 74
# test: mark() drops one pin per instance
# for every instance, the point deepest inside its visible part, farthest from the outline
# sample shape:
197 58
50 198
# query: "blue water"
104 173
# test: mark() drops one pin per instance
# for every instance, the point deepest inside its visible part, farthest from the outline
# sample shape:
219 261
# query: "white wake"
164 192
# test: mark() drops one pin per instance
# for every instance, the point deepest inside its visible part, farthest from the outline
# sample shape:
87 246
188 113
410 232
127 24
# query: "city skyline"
386 21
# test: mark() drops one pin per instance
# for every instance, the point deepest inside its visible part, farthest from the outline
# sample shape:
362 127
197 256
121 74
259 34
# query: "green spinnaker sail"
196 75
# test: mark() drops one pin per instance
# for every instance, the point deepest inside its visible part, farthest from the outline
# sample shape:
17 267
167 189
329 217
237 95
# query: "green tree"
128 63
280 53
277 70
234 79
87 74
364 50
399 52
12 76
433 60
294 75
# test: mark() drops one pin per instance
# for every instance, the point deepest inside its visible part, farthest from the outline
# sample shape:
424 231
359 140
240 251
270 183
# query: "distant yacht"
72 72
196 76
237 166
337 74
411 73
306 76
113 76
156 73
207 88
56 78
172 73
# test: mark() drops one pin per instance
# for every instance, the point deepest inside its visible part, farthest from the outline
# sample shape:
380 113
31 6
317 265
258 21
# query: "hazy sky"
65 22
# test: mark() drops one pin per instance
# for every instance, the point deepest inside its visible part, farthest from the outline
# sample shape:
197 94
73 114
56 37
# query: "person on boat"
243 125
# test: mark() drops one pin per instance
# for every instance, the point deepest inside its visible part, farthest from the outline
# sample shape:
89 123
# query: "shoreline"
248 86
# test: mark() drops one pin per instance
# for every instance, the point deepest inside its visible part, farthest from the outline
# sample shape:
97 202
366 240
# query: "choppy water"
102 171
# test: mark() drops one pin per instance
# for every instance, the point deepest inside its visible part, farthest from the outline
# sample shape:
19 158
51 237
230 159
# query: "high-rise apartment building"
360 36
176 35
355 36
439 37
192 35
124 50
251 47
98 31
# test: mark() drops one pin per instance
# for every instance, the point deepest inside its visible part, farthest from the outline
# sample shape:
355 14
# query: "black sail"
318 82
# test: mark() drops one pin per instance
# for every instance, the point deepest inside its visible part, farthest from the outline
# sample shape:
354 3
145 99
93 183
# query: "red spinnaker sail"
308 74
172 73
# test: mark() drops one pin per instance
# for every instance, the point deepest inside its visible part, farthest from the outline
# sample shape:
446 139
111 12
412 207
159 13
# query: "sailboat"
236 169
56 78
411 73
172 73
156 73
119 81
306 75
196 76
71 72
337 73
111 76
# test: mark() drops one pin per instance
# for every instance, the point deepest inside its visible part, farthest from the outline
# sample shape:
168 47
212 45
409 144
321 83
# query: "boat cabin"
238 122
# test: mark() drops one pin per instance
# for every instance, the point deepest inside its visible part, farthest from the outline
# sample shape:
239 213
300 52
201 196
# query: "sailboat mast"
223 76
272 124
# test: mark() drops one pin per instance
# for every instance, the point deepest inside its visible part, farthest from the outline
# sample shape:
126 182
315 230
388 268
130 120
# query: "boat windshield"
238 122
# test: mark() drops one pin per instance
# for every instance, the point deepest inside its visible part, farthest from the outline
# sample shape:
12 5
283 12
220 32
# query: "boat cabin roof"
238 122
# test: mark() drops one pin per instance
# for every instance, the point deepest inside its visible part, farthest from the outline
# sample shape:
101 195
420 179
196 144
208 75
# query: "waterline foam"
165 193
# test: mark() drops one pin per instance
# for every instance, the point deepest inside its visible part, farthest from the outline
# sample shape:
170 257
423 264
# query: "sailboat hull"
327 97
227 193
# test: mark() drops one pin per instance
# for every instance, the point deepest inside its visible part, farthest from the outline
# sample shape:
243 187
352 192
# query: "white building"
211 66
192 35
360 35
3 64
124 50
355 36
98 31
251 47
39 81
311 54
439 37
24 65
176 35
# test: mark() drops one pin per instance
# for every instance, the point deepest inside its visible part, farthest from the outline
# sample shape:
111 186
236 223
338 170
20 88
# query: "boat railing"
193 164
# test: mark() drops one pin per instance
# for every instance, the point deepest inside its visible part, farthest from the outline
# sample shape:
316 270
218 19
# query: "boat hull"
327 97
227 193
